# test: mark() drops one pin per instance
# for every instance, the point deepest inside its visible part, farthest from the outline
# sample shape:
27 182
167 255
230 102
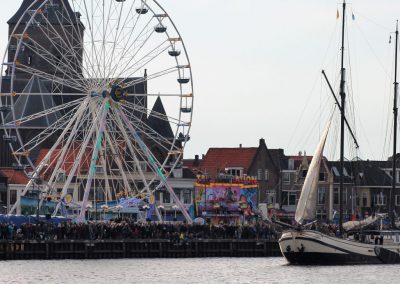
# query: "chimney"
262 141
196 160
240 146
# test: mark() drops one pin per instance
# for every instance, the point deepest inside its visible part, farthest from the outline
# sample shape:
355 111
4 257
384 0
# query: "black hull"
308 247
313 258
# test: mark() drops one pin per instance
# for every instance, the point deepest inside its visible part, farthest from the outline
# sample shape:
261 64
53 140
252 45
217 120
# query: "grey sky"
257 65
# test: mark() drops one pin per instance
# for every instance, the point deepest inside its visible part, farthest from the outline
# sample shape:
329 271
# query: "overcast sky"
257 67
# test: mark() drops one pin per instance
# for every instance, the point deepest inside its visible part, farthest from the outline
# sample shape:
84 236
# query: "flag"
337 14
352 16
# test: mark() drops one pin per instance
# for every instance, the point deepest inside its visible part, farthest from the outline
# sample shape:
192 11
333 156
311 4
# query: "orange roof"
299 157
69 159
217 159
13 176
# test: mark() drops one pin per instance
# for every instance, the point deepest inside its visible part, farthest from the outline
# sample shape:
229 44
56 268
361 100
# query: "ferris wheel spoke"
156 167
79 157
25 119
150 56
43 75
65 147
95 156
150 133
62 40
93 56
132 150
150 77
37 171
146 153
63 45
59 64
116 156
131 108
119 30
129 45
46 133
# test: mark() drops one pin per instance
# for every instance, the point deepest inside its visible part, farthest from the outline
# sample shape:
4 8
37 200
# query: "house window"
380 199
321 214
289 198
286 178
397 200
336 196
234 171
270 197
365 199
60 176
321 195
30 60
346 214
166 197
187 196
292 198
304 173
259 174
344 196
321 176
266 175
157 195
99 170
291 164
143 166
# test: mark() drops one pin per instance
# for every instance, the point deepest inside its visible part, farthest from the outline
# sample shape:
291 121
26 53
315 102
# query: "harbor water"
200 270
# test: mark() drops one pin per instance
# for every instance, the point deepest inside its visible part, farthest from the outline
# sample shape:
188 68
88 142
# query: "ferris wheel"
77 111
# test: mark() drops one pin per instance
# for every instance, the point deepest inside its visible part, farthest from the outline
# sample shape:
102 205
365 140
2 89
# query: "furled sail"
356 225
307 203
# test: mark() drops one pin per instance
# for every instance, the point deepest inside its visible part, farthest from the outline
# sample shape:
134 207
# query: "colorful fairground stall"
226 199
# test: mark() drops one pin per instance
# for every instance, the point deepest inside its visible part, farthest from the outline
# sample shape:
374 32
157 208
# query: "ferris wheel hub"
116 92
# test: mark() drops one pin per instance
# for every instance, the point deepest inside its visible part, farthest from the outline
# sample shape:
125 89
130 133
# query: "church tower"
54 26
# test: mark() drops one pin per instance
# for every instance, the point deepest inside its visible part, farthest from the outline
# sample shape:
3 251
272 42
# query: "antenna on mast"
395 114
342 122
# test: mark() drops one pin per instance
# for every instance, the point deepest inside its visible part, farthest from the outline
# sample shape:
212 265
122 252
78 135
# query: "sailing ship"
301 245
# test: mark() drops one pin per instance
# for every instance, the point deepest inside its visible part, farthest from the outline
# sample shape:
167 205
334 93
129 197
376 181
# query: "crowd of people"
125 229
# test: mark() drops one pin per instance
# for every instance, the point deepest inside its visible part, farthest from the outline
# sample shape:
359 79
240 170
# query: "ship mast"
342 122
395 113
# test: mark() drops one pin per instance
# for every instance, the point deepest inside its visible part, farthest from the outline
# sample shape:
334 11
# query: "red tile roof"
217 159
13 176
69 159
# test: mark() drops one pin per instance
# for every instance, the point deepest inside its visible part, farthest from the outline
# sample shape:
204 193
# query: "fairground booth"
226 199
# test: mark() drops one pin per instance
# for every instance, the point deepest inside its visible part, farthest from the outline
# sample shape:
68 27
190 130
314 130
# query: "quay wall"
109 249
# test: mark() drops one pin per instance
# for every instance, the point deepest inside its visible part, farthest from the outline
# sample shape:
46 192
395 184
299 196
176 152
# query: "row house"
260 162
367 186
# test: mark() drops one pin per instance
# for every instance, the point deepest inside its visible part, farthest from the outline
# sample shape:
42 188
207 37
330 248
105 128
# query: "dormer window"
234 171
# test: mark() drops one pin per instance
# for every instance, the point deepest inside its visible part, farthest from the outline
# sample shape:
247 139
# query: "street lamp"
119 207
175 207
162 207
38 182
88 207
146 207
104 208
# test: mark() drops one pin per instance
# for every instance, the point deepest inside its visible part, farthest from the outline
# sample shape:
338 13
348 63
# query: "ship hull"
307 247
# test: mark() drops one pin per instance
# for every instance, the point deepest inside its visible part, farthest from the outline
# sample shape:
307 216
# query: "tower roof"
65 12
30 104
161 126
